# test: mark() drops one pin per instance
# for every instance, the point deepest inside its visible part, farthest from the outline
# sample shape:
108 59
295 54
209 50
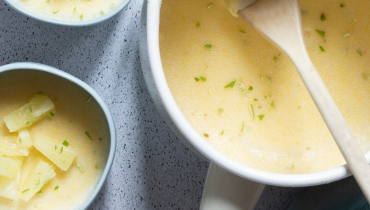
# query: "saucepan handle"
224 190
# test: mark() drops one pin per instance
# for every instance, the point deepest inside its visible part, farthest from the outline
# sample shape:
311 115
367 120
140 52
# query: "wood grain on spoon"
280 22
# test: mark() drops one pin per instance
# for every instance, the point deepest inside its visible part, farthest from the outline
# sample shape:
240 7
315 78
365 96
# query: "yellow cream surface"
200 41
69 10
73 117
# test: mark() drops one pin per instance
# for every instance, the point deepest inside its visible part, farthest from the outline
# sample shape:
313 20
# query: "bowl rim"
99 100
65 23
286 180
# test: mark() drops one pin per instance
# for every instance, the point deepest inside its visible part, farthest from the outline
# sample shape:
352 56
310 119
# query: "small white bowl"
97 98
68 23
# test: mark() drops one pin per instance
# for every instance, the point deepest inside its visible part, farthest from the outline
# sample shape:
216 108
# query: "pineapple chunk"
8 167
40 175
59 154
9 186
8 147
24 139
36 109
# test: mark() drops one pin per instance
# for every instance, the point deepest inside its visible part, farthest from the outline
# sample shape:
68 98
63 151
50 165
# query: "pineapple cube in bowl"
71 133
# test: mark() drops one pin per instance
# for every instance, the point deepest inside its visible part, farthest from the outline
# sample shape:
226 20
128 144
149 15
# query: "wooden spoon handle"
334 120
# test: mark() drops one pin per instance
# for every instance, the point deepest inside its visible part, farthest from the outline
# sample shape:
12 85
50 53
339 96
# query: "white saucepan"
229 185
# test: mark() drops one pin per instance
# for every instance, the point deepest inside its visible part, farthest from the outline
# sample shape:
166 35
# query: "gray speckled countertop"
152 169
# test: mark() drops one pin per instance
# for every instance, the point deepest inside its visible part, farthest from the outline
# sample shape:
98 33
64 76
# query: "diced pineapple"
9 186
8 167
59 154
8 147
36 109
40 175
24 139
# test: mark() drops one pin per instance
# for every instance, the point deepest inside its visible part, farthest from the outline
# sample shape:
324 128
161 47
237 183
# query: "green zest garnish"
28 123
89 99
242 128
268 80
61 150
102 12
206 135
322 17
220 110
210 5
222 132
342 5
51 165
196 79
65 143
255 99
51 114
74 10
298 107
100 139
38 181
56 12
272 105
56 187
252 110
97 166
88 135
231 84
275 59
81 16
244 92
322 48
39 192
197 25
20 140
203 79
25 190
30 108
241 31
250 88
208 46
346 34
79 166
261 116
56 147
321 33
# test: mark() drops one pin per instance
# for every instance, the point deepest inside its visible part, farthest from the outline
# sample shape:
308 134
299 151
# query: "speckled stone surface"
152 169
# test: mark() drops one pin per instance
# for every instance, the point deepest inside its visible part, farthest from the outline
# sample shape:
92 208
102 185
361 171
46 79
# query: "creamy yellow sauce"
69 10
73 116
197 40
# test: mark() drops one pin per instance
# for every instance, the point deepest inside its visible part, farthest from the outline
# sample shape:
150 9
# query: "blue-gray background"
152 169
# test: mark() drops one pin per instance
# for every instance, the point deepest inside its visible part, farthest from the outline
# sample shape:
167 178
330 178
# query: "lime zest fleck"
231 84
28 123
39 192
322 48
25 190
275 59
65 143
322 17
321 33
20 140
242 128
196 79
272 105
346 34
208 46
359 52
74 10
250 88
342 5
252 110
30 108
209 5
244 93
222 132
56 12
81 16
79 166
197 25
88 135
56 187
89 99
97 166
241 31
220 110
61 150
203 79
268 79
261 117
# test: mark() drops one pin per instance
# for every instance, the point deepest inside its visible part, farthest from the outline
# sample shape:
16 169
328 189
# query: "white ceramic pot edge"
99 100
293 180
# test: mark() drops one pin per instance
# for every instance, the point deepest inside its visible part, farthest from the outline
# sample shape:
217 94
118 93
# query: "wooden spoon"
280 22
